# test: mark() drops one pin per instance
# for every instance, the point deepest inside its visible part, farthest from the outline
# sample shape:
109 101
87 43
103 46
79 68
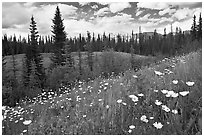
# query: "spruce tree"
200 28
69 59
89 51
59 37
193 29
79 54
33 56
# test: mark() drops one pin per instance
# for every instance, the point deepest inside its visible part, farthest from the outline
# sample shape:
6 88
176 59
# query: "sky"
99 17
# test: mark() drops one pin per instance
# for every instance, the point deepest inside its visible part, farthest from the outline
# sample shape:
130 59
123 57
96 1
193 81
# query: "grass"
47 61
123 104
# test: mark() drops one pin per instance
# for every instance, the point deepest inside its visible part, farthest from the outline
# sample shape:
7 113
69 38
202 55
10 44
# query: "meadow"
160 98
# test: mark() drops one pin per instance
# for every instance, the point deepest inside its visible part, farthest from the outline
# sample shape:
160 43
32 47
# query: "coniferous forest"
55 77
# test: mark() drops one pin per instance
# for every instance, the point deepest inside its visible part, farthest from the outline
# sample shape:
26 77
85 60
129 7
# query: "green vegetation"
123 104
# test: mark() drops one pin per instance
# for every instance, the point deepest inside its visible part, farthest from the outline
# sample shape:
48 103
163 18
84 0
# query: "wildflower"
100 99
134 76
107 106
119 101
156 90
21 118
175 82
174 111
24 131
129 131
165 108
132 127
158 102
190 83
151 117
164 91
158 125
106 84
84 115
144 118
140 95
158 73
184 93
124 103
170 93
174 95
27 122
133 97
16 121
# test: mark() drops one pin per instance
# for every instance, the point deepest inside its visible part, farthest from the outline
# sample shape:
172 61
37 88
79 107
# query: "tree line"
142 43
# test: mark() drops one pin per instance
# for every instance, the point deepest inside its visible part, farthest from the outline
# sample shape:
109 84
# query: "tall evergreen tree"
59 37
89 51
194 29
200 27
79 54
33 56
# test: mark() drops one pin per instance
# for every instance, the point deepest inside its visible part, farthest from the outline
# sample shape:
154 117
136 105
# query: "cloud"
104 3
164 5
138 13
94 6
182 13
116 7
167 10
14 13
102 11
145 17
153 5
83 3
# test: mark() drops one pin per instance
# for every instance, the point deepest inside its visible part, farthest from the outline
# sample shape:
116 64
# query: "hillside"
125 57
165 98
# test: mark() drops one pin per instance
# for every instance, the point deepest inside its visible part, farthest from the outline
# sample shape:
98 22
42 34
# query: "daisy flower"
175 82
119 101
158 125
190 83
27 122
158 73
165 108
158 102
132 127
184 93
174 111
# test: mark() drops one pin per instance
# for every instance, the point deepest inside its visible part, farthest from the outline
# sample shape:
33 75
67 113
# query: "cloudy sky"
99 17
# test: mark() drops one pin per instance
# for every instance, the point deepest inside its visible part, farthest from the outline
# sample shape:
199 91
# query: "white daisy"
119 101
140 95
158 73
27 122
134 98
132 127
158 102
134 76
165 108
158 125
174 111
175 82
184 93
164 91
190 83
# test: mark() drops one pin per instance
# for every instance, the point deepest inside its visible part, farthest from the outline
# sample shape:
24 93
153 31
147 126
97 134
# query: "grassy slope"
47 61
92 108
